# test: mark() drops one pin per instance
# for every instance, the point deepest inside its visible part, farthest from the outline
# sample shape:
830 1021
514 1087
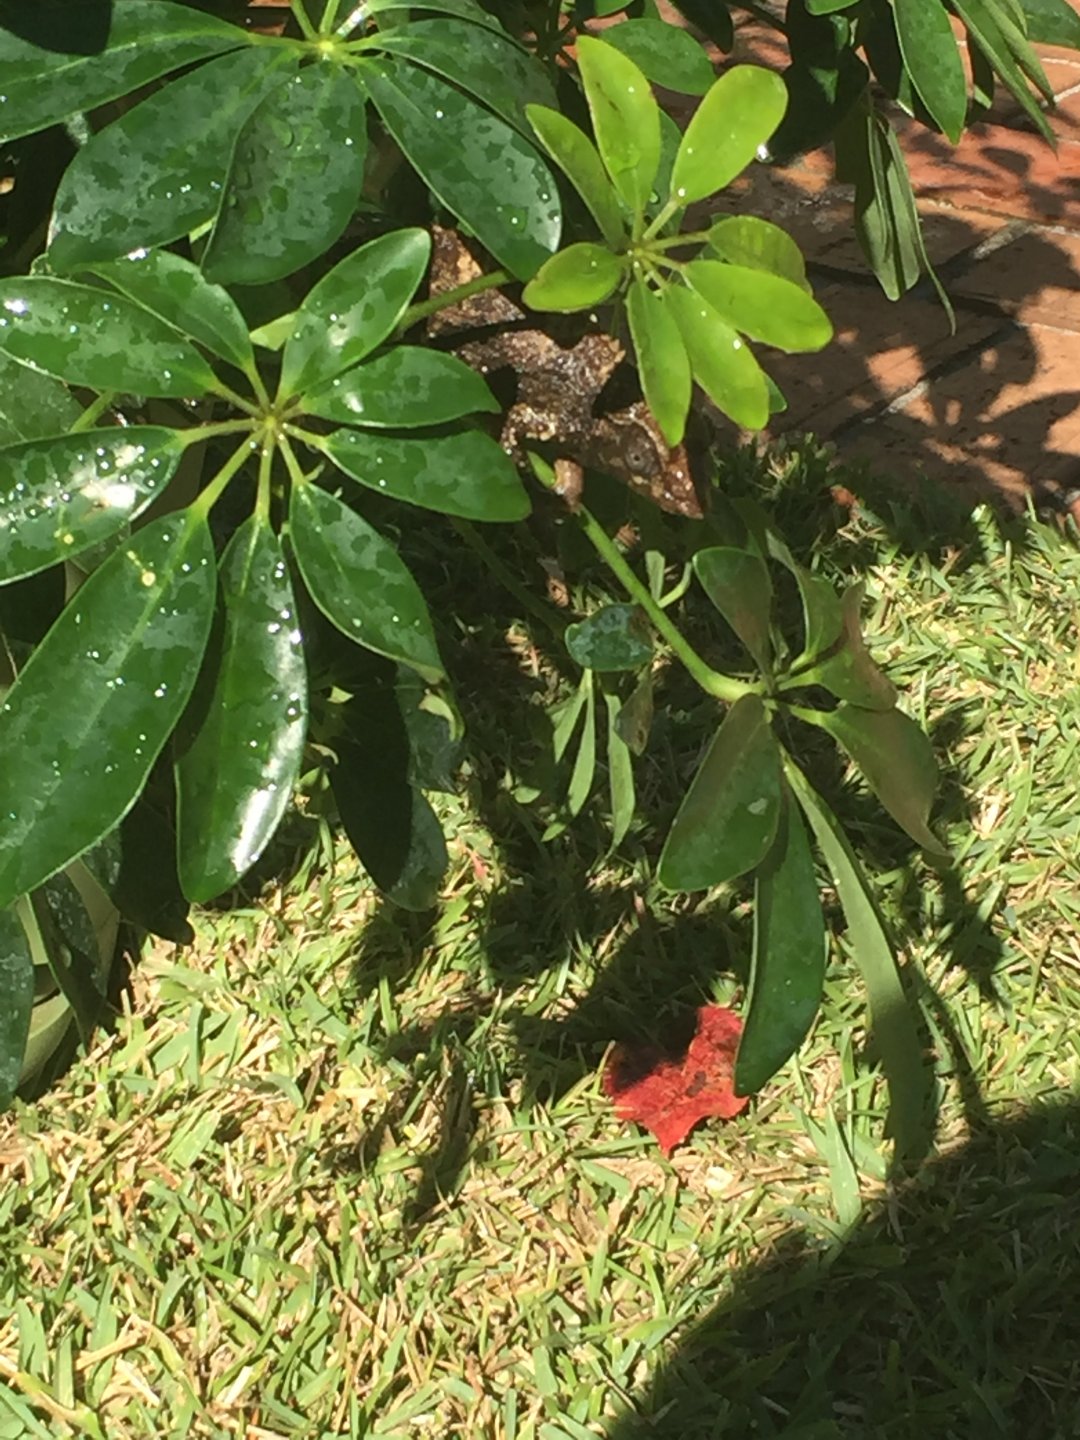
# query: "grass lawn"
342 1170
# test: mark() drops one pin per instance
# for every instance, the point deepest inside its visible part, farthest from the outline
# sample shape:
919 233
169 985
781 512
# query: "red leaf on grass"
668 1096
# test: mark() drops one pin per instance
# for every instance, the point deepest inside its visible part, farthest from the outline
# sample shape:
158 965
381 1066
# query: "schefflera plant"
114 677
689 318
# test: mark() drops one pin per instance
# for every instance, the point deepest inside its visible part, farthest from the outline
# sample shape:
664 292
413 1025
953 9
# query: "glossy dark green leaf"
480 168
16 999
766 307
728 817
576 278
665 54
620 773
407 387
984 25
178 291
625 118
392 828
736 118
146 886
97 700
359 582
1052 22
828 7
932 59
579 159
722 363
848 671
663 363
634 720
738 584
712 18
146 38
897 759
235 773
353 309
759 245
60 496
460 9
584 771
891 1016
788 968
481 61
89 337
32 405
294 179
615 637
467 474
158 171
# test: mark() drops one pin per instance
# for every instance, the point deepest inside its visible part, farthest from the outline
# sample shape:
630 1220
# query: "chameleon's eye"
639 453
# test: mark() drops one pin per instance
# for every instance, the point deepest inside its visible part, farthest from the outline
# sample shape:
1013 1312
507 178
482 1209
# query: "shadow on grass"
948 1311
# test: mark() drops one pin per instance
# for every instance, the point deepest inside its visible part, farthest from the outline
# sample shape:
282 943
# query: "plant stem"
296 474
415 313
262 498
93 412
667 210
216 427
303 19
801 712
508 579
689 237
724 687
225 393
205 502
329 15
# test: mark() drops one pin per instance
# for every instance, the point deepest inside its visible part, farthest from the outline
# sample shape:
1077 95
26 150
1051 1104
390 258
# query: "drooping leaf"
895 755
620 773
722 363
736 118
634 720
353 309
788 970
158 171
359 582
294 178
44 82
663 363
98 698
625 117
468 474
615 637
584 771
847 670
17 992
712 18
576 278
932 59
579 159
728 817
89 337
59 497
757 244
177 290
895 1036
738 584
665 54
146 886
481 169
765 307
32 405
407 387
1052 22
239 760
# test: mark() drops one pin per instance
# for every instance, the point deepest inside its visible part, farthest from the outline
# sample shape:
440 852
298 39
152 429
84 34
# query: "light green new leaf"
579 159
729 128
663 363
738 584
765 307
576 278
759 245
625 117
722 363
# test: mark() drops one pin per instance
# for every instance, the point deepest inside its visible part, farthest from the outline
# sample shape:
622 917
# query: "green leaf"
17 990
823 612
932 59
59 497
895 1036
723 365
579 159
735 119
882 224
848 671
758 245
1052 22
462 9
620 774
353 309
157 172
294 180
727 820
240 757
408 386
625 118
788 968
359 582
178 291
738 584
712 18
146 887
576 278
46 81
763 306
584 771
32 405
568 717
468 474
89 337
663 363
485 64
615 637
897 759
984 25
483 171
634 720
665 54
98 698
